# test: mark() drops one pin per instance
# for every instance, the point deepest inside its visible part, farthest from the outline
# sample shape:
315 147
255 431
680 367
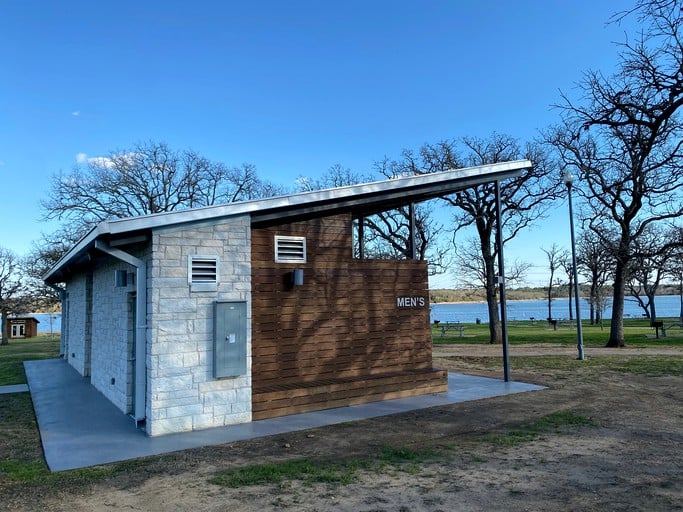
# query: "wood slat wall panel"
344 320
280 400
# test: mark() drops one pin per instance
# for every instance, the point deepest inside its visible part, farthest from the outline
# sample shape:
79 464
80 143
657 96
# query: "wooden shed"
23 327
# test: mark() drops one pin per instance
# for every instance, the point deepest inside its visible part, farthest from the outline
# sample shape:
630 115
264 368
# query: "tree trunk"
495 330
5 329
616 332
594 301
653 310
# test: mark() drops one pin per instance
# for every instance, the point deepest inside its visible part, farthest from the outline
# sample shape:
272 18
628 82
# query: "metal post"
569 180
501 283
361 237
411 229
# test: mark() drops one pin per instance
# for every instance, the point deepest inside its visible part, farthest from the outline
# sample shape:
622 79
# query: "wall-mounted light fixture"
298 277
120 279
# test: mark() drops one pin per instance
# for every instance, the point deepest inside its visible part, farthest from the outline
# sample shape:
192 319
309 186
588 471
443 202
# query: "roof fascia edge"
425 192
249 207
302 200
81 246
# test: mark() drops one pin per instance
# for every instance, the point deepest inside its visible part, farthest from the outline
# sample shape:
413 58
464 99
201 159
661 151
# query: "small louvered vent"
290 249
203 272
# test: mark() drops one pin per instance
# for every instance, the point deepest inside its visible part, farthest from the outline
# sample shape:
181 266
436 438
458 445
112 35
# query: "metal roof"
360 200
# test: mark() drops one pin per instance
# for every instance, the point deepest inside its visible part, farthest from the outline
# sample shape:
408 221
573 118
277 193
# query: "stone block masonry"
75 350
113 335
182 393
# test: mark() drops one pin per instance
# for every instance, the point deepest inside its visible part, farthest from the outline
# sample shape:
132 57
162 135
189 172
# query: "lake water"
44 319
668 306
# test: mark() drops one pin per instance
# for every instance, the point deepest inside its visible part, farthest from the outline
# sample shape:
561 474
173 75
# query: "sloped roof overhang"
360 200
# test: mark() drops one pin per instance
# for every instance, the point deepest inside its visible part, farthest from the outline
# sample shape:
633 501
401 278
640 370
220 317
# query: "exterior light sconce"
123 279
120 279
298 277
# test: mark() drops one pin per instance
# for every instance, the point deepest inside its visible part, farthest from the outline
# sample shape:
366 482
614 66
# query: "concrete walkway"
15 388
79 427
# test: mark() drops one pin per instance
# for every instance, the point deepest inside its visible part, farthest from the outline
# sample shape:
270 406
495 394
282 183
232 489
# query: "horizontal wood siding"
343 323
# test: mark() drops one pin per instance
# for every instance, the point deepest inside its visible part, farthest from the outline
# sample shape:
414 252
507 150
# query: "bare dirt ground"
628 456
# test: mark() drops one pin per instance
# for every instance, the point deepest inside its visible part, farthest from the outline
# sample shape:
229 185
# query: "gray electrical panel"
230 339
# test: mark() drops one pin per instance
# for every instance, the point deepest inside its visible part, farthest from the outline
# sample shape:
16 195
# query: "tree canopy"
148 178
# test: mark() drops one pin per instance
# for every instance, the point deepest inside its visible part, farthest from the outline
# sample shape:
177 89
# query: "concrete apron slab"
79 427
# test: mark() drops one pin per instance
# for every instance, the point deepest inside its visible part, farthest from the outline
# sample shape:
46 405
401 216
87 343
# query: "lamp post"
568 179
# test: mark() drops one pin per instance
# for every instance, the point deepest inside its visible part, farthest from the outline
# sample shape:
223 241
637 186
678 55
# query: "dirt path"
546 349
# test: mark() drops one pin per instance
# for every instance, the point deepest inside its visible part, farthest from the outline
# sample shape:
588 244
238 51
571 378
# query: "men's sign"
410 302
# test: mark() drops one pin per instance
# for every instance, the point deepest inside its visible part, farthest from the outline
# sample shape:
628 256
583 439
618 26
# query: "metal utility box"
230 339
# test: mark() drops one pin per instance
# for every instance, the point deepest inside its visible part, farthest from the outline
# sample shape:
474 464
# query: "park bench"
675 325
452 326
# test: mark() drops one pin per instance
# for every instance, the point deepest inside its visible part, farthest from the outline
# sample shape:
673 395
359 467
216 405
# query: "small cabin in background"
22 327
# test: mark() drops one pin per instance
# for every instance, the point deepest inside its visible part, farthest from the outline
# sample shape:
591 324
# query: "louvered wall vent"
203 273
290 249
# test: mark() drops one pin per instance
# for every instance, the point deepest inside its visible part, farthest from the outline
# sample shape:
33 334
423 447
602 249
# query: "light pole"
568 178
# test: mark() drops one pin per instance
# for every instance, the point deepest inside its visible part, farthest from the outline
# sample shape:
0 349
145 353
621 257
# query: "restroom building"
227 314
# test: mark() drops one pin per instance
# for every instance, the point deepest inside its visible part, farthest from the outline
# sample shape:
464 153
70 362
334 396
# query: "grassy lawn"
637 332
13 355
23 470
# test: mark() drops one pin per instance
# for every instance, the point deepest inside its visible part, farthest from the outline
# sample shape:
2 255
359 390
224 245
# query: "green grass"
304 470
317 471
13 355
637 332
555 422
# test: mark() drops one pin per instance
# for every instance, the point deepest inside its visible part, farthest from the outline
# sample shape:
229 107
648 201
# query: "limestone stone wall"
182 393
112 336
75 320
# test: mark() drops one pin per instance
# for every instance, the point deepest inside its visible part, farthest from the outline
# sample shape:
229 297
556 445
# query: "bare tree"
12 290
149 178
44 254
676 272
565 263
471 269
594 261
554 255
651 255
386 235
625 139
523 200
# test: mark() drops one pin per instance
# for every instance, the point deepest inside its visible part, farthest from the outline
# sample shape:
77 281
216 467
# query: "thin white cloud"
95 161
76 113
104 161
101 161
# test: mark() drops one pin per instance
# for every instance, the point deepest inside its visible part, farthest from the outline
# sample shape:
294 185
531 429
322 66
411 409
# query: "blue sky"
292 87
